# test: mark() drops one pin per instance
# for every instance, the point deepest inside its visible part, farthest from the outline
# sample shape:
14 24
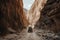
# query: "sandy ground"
36 35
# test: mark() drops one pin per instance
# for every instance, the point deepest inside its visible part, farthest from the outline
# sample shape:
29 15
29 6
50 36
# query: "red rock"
12 16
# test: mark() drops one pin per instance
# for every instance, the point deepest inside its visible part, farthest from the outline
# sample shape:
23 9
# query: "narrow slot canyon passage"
29 19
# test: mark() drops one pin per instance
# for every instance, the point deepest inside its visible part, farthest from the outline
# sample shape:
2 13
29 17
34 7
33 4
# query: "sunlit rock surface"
35 11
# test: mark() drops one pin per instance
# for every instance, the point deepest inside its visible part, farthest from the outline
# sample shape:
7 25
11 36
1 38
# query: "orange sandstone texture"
12 16
35 11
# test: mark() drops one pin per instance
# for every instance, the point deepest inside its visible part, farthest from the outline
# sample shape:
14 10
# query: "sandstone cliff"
50 16
12 17
45 14
35 11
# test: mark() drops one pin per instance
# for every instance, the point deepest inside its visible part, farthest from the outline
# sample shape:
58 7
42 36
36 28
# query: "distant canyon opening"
33 11
15 15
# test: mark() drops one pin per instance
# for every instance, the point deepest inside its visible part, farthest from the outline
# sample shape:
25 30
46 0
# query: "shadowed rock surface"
50 16
12 18
47 28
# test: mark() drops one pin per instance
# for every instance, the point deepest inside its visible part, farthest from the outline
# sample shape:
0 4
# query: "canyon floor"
37 34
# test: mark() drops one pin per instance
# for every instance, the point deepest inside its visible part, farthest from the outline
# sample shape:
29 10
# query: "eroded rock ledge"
50 16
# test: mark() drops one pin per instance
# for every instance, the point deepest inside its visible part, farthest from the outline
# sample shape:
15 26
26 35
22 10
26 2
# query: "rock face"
34 12
11 16
50 16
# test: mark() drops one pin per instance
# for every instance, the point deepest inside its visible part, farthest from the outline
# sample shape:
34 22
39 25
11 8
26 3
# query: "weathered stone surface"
11 16
50 16
35 35
35 11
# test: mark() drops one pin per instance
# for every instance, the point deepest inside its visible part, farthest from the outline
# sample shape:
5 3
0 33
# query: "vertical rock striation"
11 16
50 16
35 11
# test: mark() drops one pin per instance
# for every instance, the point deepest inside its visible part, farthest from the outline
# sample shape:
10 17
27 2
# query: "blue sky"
28 3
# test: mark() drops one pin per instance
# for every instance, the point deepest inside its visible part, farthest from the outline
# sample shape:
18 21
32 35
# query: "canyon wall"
12 17
50 16
45 14
35 11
